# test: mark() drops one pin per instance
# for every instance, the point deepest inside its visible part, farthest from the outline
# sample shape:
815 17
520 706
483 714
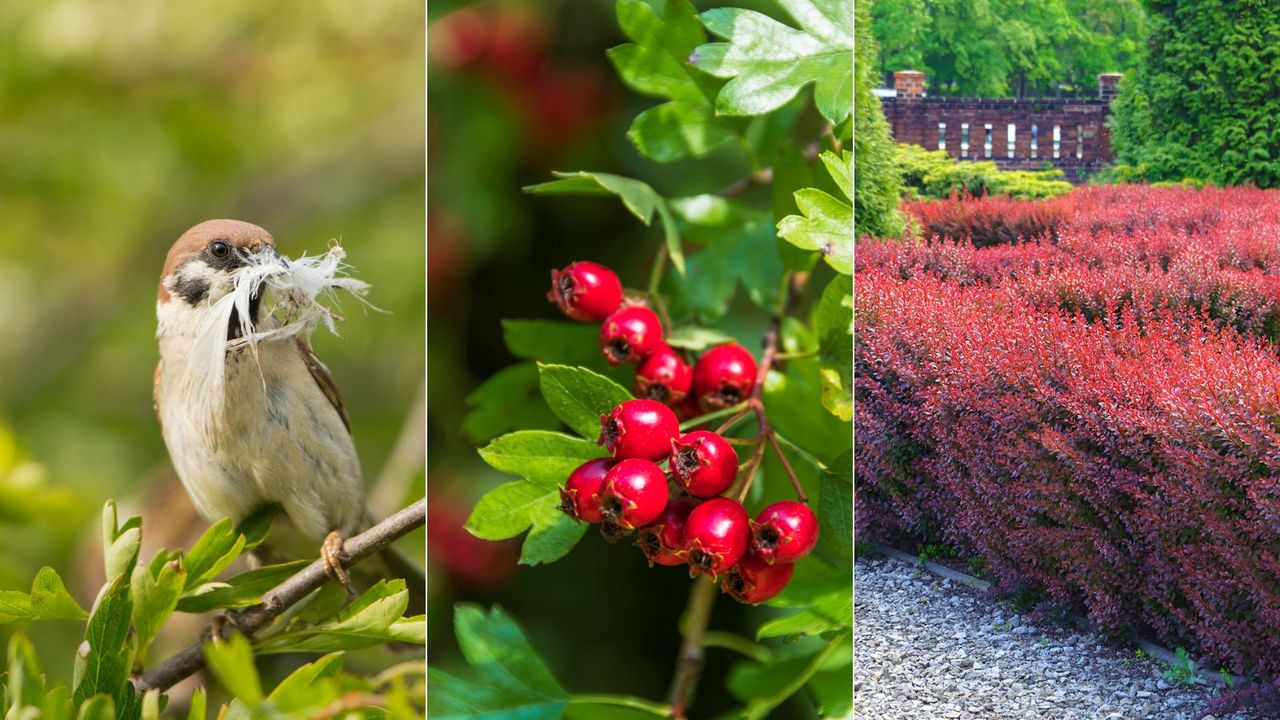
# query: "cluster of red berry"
630 492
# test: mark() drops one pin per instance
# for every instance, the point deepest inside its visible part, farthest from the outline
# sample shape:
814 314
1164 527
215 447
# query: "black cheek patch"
191 289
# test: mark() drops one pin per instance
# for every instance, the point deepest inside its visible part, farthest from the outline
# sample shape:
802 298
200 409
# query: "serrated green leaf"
49 600
154 599
217 548
741 250
120 543
835 508
790 173
306 687
562 343
508 400
579 397
833 322
822 597
656 64
638 197
98 707
242 590
826 222
513 681
374 618
107 653
199 705
545 460
231 661
768 62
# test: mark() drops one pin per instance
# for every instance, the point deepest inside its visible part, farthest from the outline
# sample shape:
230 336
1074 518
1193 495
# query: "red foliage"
1121 458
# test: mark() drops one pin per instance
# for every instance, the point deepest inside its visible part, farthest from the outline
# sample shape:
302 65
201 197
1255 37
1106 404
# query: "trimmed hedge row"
1127 471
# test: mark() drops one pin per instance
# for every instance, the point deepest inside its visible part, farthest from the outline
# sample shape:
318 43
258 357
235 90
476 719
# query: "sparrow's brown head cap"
241 235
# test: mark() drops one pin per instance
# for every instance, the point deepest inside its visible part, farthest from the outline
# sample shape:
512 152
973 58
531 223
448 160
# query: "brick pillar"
1107 86
909 83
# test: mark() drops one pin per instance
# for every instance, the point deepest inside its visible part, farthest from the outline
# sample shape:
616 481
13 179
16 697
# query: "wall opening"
986 140
1013 136
1035 140
964 140
942 136
1057 141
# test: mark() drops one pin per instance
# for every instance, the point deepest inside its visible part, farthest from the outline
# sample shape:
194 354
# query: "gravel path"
928 648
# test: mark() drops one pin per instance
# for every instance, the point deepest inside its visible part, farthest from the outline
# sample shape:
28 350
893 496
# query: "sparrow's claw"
332 554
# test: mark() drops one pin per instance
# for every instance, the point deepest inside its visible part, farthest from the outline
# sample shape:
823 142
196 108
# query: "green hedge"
932 173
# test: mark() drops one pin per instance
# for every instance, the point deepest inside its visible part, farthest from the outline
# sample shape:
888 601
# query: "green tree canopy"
1205 103
876 183
993 48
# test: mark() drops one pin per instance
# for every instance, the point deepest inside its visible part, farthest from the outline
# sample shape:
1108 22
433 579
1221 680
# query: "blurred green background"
121 125
516 90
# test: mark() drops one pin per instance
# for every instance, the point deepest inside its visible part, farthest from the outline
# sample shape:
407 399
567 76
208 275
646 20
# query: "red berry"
577 497
753 580
664 376
784 532
716 536
688 408
629 334
663 539
639 429
703 463
633 495
724 376
585 291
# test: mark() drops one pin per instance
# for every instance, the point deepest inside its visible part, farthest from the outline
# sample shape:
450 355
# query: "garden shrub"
876 188
1125 471
934 174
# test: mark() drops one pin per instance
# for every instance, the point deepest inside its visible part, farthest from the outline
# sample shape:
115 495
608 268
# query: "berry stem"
702 596
655 282
703 419
786 465
625 701
734 420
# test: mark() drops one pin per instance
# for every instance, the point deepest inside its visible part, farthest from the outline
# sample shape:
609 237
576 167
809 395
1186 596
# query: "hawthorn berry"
753 580
703 463
633 495
664 376
577 497
716 536
630 334
663 539
585 291
639 429
725 375
784 532
688 408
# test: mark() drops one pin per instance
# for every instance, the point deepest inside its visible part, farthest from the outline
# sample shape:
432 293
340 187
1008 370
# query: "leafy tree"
774 91
876 184
991 48
1204 103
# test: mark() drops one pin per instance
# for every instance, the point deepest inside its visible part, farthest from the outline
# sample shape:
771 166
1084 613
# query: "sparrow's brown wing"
324 379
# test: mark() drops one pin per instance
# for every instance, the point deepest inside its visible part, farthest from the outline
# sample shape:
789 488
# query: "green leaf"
833 322
769 62
374 618
835 509
790 173
120 543
217 548
642 200
49 600
98 707
151 705
765 685
154 598
826 222
512 679
306 687
656 64
696 337
793 399
580 397
550 341
822 596
741 250
242 590
107 653
508 400
25 682
231 661
57 705
199 706
544 460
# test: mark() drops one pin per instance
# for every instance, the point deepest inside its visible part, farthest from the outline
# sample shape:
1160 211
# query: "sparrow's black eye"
219 249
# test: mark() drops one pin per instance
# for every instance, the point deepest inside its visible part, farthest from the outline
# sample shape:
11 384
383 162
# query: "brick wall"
1083 139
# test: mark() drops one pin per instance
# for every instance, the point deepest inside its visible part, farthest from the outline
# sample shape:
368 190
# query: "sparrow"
256 424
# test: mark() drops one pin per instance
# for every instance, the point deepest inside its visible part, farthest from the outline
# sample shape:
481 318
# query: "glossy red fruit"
753 580
784 532
585 291
630 334
577 497
724 376
633 495
716 536
639 429
664 376
663 539
703 463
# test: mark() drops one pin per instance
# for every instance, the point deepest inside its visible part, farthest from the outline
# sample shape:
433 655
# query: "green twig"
738 644
806 456
702 596
716 415
655 283
760 707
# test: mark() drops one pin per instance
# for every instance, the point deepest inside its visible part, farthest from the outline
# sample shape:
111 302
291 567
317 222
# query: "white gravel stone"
926 648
